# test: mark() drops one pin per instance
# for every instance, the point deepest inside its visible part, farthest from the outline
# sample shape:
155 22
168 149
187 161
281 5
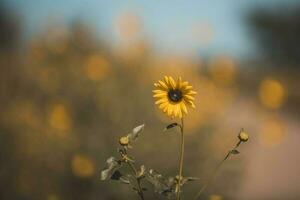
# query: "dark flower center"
175 95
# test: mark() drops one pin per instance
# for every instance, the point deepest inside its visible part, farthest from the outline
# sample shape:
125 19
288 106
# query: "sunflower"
174 97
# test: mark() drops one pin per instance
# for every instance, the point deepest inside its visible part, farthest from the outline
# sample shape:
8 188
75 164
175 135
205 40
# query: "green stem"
180 160
215 172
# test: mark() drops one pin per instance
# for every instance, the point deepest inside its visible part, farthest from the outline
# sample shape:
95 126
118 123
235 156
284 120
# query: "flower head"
243 136
173 97
124 141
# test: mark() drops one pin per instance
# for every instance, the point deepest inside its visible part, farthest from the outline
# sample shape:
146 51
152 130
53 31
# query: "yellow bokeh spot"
59 118
272 132
272 93
82 166
96 67
223 70
52 197
215 197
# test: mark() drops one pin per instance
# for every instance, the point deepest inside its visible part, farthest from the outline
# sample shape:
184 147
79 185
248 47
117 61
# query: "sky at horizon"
169 25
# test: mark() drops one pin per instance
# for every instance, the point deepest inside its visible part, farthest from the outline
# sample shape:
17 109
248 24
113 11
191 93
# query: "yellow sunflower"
174 97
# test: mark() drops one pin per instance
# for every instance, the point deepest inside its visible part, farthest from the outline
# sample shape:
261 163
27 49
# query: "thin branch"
215 171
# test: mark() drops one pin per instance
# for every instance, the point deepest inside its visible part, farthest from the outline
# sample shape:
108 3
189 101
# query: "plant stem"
215 172
210 179
140 190
180 160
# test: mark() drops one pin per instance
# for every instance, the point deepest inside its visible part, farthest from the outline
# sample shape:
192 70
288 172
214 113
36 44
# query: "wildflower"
124 141
173 97
243 136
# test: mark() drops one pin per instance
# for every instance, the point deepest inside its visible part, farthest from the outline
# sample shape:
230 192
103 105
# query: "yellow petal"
158 91
190 103
184 84
188 97
176 110
179 82
192 92
193 105
165 108
180 114
166 80
183 108
170 110
172 82
163 105
162 100
189 87
163 85
160 95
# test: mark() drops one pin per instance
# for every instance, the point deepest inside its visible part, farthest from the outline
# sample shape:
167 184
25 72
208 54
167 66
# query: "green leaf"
112 165
234 151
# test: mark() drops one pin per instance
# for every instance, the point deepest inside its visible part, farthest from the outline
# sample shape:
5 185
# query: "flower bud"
124 141
243 136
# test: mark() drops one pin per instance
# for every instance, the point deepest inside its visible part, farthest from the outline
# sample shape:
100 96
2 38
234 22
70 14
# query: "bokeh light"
215 197
59 117
272 93
96 67
82 166
52 197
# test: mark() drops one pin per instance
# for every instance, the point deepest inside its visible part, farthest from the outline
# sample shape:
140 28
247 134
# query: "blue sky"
167 23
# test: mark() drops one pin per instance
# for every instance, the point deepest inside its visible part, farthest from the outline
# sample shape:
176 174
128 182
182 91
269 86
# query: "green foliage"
165 187
116 170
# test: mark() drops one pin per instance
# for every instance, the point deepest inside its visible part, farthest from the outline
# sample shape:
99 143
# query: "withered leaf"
112 165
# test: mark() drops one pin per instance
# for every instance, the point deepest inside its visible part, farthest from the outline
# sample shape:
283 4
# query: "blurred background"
76 75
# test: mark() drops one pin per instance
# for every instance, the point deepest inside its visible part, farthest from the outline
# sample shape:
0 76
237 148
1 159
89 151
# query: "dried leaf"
171 126
116 175
188 179
135 133
234 151
124 179
161 185
141 172
112 165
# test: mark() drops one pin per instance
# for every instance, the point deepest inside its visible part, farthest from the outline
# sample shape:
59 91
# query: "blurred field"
67 95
